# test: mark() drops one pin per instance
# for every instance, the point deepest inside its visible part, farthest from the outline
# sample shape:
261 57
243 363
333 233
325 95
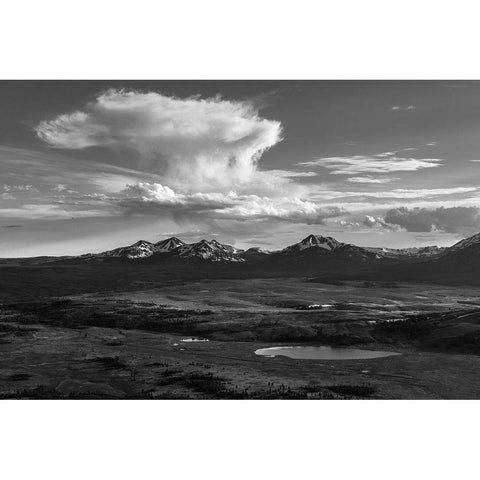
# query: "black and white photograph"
239 241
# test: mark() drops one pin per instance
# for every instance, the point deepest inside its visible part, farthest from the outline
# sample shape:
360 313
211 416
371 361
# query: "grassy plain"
129 344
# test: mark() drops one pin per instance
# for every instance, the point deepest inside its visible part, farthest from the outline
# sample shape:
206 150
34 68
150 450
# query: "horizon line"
240 249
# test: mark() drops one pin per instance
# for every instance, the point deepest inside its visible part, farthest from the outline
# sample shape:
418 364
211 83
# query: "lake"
323 353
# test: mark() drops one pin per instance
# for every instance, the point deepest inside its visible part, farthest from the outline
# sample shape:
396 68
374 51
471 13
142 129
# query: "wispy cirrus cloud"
386 162
379 180
51 211
290 173
397 193
422 192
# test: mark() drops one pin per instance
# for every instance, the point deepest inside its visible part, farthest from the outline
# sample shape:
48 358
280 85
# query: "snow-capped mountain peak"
213 250
169 244
315 241
140 249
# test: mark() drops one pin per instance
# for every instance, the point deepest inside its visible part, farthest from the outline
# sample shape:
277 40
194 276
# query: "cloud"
258 241
371 180
194 160
326 194
293 210
450 219
409 107
51 211
19 188
370 221
153 198
422 192
381 163
344 223
9 190
290 173
193 143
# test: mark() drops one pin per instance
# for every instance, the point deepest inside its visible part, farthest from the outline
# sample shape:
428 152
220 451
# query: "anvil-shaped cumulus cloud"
195 144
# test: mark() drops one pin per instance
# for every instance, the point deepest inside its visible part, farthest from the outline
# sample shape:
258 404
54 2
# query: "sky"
87 166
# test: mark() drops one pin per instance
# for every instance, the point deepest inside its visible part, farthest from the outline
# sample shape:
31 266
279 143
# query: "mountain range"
314 257
215 251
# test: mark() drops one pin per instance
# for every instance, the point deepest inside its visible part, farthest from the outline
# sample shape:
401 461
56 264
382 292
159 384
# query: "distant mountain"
311 250
254 253
140 249
317 258
473 241
413 252
313 256
458 264
464 256
168 245
314 241
213 251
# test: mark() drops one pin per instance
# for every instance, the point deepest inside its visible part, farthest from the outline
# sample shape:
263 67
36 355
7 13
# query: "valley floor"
132 344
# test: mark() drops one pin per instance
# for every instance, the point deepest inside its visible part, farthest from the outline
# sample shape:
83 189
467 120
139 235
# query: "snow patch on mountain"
429 251
256 250
217 252
213 251
140 249
168 245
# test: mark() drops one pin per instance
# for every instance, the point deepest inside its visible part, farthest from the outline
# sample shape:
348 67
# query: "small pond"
323 353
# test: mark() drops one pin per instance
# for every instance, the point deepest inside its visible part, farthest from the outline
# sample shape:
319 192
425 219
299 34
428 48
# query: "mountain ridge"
140 266
218 252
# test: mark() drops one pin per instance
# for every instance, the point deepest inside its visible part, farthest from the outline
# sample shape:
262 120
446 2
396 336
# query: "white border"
252 39
239 439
